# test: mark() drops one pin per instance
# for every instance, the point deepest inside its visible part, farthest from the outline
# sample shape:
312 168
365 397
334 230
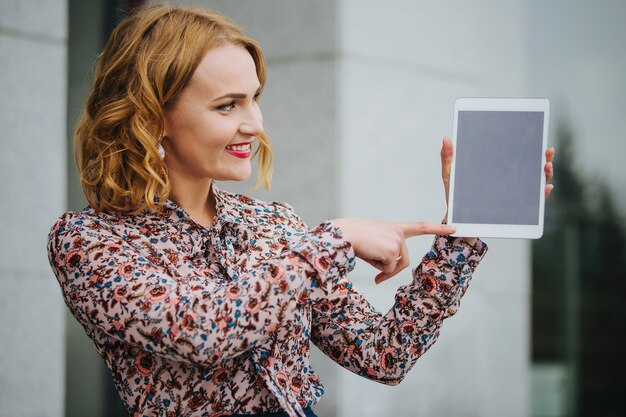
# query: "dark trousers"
308 411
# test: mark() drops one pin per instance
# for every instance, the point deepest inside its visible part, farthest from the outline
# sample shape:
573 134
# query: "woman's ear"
159 130
166 126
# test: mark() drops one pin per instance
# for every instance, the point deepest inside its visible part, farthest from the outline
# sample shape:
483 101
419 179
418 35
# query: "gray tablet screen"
498 167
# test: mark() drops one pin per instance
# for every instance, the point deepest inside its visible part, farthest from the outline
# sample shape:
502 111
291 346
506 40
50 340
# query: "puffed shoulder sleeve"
111 284
339 250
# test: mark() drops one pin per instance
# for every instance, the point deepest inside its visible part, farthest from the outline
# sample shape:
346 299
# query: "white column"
33 47
401 66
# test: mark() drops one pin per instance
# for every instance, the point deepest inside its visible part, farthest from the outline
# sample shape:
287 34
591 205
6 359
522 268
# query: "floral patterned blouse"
197 321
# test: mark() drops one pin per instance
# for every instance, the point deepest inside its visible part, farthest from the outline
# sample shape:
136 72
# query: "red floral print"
196 321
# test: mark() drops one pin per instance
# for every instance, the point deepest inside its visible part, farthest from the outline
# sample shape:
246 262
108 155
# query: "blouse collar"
226 209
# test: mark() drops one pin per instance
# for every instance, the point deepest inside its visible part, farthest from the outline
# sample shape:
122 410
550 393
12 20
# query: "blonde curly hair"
148 60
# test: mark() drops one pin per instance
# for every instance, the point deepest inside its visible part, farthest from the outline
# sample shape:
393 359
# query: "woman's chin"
236 176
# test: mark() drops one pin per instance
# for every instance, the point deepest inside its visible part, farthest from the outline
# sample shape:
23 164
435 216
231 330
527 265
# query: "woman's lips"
243 151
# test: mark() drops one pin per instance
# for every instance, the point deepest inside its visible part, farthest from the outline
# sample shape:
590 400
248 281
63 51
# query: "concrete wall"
33 49
379 80
401 66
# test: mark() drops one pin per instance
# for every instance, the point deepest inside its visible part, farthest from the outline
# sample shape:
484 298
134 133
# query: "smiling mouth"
239 147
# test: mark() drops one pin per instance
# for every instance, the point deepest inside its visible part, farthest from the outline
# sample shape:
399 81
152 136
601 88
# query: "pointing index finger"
411 229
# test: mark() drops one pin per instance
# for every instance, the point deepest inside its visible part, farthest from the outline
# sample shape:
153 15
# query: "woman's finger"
549 170
376 264
399 265
385 266
447 152
410 229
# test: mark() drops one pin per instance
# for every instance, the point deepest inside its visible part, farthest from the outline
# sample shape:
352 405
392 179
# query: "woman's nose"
253 123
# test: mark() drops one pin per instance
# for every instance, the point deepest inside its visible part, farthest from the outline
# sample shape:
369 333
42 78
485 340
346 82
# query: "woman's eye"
227 107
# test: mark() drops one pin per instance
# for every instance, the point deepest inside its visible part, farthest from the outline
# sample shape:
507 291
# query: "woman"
203 302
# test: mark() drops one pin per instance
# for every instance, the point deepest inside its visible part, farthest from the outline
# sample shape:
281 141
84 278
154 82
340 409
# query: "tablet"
497 180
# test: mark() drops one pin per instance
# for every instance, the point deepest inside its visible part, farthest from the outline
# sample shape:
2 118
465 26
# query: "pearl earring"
161 151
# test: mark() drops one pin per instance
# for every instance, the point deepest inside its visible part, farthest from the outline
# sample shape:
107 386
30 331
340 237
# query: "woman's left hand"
549 169
447 152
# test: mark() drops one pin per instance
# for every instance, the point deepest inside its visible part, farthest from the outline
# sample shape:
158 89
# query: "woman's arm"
385 347
110 284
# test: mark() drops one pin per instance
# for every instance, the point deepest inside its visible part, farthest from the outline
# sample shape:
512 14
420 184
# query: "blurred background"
358 97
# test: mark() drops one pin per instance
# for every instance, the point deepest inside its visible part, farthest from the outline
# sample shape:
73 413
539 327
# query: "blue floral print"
197 321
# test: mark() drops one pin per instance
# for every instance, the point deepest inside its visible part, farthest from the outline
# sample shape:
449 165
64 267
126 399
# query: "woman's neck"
196 198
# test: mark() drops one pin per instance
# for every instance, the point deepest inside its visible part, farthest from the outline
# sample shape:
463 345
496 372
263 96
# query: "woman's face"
216 110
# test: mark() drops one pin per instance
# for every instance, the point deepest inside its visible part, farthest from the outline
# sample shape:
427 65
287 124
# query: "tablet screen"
498 167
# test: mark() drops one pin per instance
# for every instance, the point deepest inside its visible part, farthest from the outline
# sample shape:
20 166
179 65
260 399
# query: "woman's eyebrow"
231 95
236 95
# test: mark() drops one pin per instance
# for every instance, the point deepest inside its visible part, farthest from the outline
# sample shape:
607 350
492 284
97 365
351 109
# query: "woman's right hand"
382 243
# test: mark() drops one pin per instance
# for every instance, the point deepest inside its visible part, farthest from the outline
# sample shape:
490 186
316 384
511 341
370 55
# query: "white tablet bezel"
500 230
